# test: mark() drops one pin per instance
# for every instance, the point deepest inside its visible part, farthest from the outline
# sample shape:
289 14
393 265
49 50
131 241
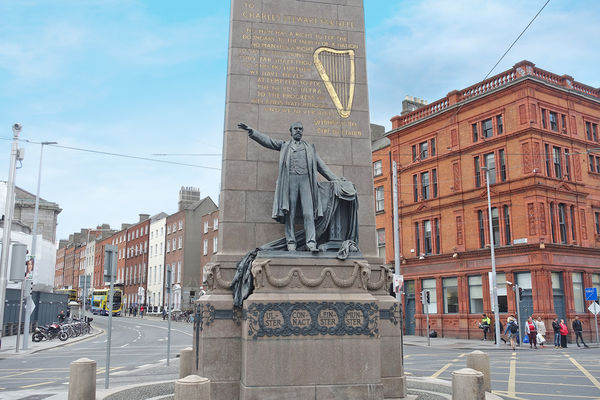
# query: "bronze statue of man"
299 164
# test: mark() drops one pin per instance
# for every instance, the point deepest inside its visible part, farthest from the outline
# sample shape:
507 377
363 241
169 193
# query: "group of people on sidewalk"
535 329
133 311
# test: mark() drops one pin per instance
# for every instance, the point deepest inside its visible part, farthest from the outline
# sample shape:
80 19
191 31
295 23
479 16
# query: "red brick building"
210 231
98 282
136 262
59 269
537 134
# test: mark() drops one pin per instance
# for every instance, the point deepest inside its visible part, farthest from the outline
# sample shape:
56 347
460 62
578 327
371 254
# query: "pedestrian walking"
578 329
564 331
164 314
531 331
556 329
485 325
541 328
142 311
130 311
135 311
512 329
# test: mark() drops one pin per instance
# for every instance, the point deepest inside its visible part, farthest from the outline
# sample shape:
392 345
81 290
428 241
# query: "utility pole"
29 300
169 279
397 251
493 283
110 263
8 217
518 298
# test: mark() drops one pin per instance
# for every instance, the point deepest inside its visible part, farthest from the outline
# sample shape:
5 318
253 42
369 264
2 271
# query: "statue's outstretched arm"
261 138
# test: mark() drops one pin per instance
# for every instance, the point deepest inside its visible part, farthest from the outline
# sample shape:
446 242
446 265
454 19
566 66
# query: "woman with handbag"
541 329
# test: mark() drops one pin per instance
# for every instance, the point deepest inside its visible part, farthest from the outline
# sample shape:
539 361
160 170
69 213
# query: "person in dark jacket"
556 329
578 328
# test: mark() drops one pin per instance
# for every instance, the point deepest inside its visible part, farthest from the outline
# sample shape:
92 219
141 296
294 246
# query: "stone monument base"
314 328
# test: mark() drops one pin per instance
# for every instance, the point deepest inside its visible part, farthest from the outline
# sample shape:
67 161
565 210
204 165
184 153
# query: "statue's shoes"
312 247
291 247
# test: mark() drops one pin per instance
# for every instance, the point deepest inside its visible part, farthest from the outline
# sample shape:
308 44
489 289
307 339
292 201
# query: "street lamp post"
493 283
8 216
33 245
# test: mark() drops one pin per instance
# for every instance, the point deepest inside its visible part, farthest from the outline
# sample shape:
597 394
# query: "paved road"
547 373
139 352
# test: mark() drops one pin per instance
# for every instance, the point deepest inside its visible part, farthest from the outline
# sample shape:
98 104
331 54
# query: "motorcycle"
49 332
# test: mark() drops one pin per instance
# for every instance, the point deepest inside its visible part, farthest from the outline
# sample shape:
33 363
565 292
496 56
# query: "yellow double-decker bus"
71 292
100 301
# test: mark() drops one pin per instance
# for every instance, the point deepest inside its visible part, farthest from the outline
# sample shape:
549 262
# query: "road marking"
36 384
441 370
21 373
584 371
512 375
461 355
560 396
407 356
125 345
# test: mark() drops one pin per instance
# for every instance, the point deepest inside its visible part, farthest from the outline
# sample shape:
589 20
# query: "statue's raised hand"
245 127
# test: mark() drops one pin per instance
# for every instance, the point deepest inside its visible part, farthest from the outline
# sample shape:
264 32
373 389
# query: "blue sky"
146 77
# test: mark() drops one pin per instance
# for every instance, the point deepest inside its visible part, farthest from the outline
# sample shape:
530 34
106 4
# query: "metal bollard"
192 387
82 379
480 361
467 384
186 362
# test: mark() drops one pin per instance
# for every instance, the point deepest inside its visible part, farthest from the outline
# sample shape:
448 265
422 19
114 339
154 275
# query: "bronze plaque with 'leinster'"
311 319
293 60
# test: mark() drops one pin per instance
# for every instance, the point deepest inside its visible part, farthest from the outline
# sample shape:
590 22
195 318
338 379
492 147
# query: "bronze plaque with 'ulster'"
311 319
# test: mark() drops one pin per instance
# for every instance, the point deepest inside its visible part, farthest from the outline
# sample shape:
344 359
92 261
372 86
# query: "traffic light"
428 299
28 287
520 292
422 294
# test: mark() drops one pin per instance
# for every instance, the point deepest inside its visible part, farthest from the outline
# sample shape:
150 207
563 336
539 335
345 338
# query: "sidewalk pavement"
469 344
8 344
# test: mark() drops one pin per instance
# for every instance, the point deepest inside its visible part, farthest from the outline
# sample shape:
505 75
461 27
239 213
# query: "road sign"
594 308
591 293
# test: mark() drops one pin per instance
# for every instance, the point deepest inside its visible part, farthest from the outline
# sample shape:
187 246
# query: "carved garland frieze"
311 319
295 277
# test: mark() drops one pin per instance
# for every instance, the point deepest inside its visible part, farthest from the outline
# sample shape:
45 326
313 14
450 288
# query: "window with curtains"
381 242
417 239
379 199
481 225
562 222
475 294
377 168
507 238
477 171
450 287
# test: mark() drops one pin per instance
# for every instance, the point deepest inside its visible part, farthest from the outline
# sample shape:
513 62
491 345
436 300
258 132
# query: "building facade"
535 134
156 261
136 262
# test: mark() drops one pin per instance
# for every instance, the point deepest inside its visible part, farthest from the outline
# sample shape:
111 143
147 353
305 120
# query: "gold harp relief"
336 68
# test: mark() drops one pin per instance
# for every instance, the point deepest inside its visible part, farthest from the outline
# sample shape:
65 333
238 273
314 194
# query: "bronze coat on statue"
281 200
